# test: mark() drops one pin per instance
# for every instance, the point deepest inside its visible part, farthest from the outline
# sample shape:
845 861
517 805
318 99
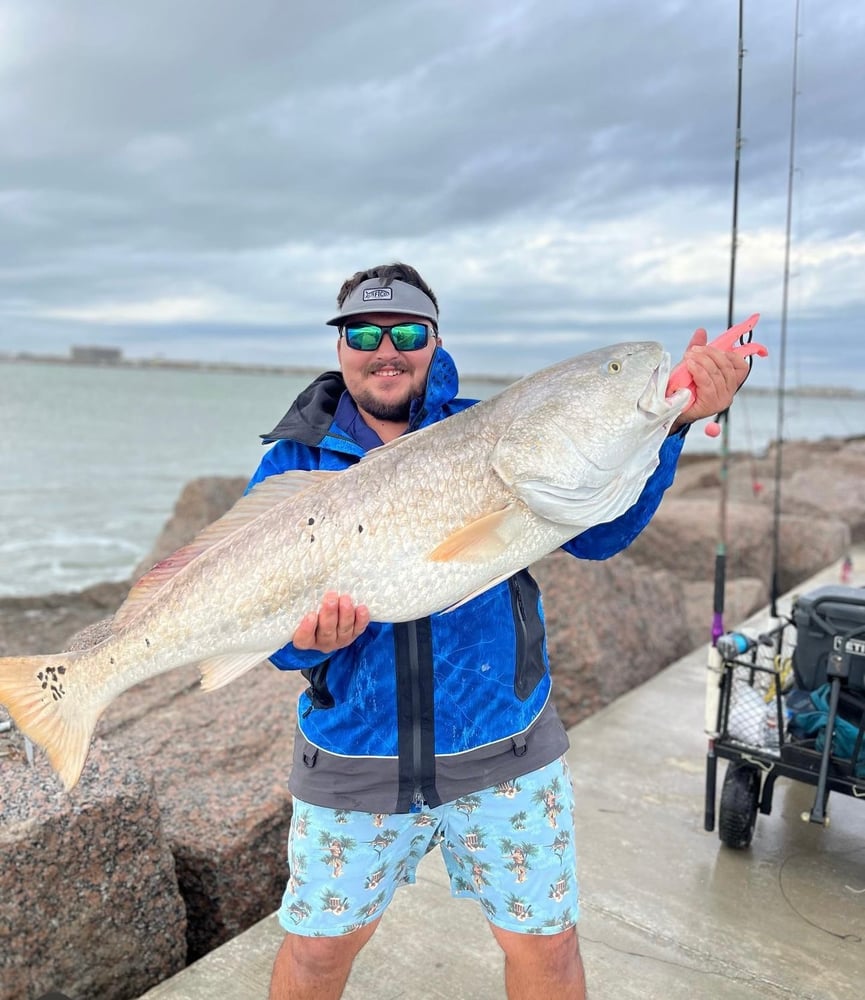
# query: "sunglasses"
404 336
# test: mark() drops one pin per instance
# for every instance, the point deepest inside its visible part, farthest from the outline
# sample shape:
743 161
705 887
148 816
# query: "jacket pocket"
318 692
529 630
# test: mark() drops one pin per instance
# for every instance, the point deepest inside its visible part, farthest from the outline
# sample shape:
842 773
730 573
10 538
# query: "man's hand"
716 374
336 624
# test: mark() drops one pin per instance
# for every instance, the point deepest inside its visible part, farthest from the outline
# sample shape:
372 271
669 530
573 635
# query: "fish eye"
614 367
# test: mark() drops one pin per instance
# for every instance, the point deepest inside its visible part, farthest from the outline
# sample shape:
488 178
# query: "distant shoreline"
233 367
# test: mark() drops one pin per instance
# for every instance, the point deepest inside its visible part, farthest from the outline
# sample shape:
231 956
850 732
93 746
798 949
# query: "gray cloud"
196 179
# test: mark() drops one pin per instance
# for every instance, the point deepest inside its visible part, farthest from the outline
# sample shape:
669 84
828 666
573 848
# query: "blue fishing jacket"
432 709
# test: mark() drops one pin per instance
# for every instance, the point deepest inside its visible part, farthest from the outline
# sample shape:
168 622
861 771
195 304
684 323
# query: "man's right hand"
336 624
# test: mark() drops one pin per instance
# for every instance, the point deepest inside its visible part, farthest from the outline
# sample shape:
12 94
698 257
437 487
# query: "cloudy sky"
195 178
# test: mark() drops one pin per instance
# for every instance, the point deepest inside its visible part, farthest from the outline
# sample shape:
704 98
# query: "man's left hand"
717 376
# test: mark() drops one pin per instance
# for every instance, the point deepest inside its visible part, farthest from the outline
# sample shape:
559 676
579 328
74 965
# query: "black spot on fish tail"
311 521
50 680
146 642
359 528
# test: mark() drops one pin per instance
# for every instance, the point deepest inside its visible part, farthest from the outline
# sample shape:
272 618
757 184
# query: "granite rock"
219 763
89 903
610 626
831 485
683 539
201 502
743 596
43 624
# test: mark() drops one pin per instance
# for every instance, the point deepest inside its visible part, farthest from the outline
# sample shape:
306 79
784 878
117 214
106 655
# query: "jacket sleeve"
289 658
285 455
604 540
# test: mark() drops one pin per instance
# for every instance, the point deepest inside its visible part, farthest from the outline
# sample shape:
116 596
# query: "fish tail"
36 692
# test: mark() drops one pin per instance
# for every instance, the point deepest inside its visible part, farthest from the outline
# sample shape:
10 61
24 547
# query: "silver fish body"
418 526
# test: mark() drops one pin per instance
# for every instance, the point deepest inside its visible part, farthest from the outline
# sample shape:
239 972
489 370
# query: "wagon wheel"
740 797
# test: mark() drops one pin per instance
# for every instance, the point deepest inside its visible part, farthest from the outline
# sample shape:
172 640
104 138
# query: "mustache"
377 366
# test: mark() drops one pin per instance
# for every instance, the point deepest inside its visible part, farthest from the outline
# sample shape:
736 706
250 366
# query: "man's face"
383 382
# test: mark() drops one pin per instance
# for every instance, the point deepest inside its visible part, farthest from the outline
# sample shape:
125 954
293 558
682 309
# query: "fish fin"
563 504
482 540
477 593
220 670
262 498
35 692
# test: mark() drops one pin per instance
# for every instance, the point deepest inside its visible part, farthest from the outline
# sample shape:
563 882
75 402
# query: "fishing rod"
724 418
714 666
782 357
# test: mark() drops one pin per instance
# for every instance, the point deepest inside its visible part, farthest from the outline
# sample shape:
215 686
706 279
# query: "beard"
397 411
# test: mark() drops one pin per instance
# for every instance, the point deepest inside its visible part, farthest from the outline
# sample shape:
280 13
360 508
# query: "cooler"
829 619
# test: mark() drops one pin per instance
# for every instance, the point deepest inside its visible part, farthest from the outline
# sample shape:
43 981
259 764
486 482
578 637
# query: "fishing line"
701 969
852 938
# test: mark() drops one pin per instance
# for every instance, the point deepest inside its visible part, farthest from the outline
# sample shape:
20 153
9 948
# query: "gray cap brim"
372 296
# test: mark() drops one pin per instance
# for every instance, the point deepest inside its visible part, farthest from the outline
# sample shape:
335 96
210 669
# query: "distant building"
96 355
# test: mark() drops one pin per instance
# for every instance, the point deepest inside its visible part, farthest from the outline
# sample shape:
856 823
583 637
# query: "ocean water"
93 459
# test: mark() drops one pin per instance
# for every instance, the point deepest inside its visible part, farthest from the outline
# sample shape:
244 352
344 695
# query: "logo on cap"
376 294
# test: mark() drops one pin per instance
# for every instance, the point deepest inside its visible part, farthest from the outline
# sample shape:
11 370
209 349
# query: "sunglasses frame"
382 330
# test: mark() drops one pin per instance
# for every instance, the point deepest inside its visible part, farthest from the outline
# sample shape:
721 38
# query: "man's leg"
345 867
316 968
512 848
540 967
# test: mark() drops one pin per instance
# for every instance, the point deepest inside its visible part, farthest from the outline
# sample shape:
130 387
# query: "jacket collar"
310 417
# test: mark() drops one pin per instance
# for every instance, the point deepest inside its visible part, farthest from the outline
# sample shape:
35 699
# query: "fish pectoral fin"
221 670
560 503
260 499
481 540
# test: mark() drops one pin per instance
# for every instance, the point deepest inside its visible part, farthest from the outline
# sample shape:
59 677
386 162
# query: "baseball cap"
371 296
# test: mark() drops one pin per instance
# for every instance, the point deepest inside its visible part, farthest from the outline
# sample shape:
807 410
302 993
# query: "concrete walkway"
667 911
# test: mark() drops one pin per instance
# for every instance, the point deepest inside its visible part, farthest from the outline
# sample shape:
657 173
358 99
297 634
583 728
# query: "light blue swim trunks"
511 847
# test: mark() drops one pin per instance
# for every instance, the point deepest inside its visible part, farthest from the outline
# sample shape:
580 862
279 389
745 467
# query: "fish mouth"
654 403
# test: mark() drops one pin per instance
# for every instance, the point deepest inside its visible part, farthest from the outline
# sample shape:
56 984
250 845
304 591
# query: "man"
438 732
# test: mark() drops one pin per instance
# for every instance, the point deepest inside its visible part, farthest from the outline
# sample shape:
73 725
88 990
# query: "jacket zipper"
521 613
414 676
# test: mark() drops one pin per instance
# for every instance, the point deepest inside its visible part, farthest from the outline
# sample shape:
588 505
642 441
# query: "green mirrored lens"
408 336
363 338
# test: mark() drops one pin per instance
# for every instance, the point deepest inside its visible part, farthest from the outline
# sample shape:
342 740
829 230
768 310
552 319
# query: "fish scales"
418 526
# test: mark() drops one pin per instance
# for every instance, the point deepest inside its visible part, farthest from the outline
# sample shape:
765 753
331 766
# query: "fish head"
586 433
